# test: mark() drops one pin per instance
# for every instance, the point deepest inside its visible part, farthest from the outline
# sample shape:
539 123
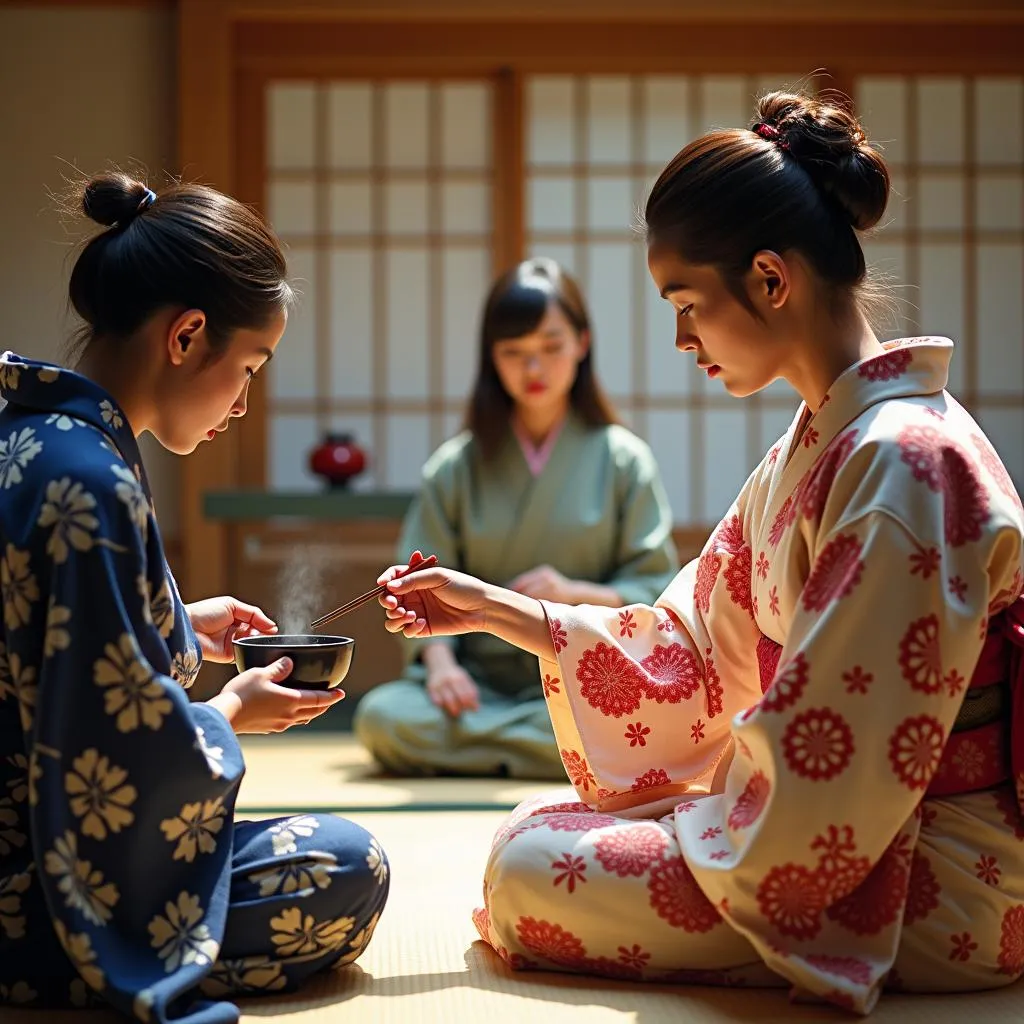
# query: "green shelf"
241 505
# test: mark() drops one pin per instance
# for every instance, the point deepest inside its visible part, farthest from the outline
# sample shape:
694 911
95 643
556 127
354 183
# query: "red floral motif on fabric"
818 744
773 600
1011 942
605 968
773 454
609 681
577 769
924 561
850 967
550 941
785 518
627 623
636 957
791 898
1006 803
751 802
995 468
988 870
920 657
886 367
879 900
788 685
768 654
763 565
550 685
707 576
672 674
1006 597
713 692
631 849
811 437
812 492
738 579
637 733
678 899
576 822
729 535
946 468
923 891
837 570
559 637
915 750
958 588
650 779
697 731
963 946
857 680
840 870
570 869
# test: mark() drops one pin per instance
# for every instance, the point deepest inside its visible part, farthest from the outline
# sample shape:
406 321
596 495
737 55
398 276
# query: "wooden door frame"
226 45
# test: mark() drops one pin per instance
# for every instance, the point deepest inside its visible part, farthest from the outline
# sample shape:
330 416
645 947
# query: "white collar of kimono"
915 367
45 387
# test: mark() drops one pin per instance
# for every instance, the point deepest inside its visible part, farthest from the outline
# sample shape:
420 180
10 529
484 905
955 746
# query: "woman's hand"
432 602
545 584
254 702
219 620
452 688
442 602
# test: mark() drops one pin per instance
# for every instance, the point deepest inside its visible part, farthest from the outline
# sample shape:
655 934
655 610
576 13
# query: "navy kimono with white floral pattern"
123 877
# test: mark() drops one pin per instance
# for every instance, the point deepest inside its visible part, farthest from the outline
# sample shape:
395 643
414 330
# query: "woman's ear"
186 341
584 343
768 280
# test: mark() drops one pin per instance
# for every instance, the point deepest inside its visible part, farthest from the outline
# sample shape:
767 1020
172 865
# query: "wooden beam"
484 47
735 12
205 152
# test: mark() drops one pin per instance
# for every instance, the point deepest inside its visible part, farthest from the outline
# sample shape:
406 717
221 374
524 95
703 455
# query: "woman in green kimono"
543 491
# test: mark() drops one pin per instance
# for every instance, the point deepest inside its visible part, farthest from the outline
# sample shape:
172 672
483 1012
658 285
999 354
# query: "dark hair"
516 304
191 247
802 178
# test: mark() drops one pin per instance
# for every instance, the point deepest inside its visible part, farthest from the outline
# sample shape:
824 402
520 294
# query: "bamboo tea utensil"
370 595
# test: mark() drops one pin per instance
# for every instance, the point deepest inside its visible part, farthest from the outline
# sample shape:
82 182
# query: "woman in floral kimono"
124 879
804 764
544 491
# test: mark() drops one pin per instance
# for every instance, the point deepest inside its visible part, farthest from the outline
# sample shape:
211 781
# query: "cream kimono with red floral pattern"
723 836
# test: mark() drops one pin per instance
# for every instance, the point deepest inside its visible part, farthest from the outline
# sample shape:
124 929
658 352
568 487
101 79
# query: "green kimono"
597 511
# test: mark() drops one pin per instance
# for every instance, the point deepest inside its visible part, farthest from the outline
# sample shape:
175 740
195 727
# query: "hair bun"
113 198
830 144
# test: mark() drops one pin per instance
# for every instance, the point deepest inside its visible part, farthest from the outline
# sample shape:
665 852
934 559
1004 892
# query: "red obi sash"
987 755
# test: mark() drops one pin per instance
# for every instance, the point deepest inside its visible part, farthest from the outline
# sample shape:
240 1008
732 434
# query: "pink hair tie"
770 133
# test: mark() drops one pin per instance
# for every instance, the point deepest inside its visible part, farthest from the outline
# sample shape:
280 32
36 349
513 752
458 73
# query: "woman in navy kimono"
124 878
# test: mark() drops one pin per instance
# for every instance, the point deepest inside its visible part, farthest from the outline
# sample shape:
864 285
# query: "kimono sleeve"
809 850
646 556
134 786
430 526
641 697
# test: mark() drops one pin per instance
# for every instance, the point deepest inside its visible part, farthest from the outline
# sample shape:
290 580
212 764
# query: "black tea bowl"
319 662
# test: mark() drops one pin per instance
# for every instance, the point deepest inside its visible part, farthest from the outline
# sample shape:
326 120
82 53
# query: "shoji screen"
382 192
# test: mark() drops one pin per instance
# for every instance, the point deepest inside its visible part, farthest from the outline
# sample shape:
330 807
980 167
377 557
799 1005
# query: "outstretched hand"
432 602
219 620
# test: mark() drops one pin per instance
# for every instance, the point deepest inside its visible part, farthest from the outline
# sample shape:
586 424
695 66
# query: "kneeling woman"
543 491
123 877
830 698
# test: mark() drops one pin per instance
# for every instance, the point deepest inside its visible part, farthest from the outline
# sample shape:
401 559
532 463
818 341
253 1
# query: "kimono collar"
45 387
909 367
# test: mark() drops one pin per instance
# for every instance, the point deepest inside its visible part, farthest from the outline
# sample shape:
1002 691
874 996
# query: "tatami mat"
331 772
426 966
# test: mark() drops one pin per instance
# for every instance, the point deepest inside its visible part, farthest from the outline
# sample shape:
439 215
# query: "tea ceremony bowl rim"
302 649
